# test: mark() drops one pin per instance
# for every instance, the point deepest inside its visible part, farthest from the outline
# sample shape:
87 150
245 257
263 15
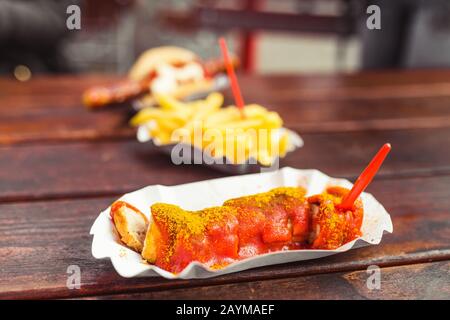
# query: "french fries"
220 132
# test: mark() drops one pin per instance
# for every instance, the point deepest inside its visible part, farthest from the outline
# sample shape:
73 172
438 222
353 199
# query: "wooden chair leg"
249 41
248 51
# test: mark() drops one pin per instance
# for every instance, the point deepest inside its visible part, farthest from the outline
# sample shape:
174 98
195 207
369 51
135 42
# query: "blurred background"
269 36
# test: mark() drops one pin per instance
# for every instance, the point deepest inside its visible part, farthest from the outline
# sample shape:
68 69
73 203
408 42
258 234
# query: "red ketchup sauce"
281 219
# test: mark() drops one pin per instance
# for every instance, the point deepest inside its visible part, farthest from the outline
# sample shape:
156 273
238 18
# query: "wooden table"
60 165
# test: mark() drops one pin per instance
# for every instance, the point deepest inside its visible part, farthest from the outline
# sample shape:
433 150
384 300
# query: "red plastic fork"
365 178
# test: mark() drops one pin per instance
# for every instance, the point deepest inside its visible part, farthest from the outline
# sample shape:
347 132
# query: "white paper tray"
202 194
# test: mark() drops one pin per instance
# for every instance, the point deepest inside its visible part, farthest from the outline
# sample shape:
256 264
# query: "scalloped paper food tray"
202 194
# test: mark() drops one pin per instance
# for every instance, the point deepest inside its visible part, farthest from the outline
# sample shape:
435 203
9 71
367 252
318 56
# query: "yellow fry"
144 115
222 116
167 102
205 107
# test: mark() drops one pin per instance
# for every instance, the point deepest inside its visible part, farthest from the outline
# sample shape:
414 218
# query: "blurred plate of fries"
225 138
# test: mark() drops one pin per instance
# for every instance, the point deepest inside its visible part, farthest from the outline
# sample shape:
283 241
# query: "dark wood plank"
90 169
49 109
87 170
400 81
54 85
349 88
427 281
58 124
41 239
